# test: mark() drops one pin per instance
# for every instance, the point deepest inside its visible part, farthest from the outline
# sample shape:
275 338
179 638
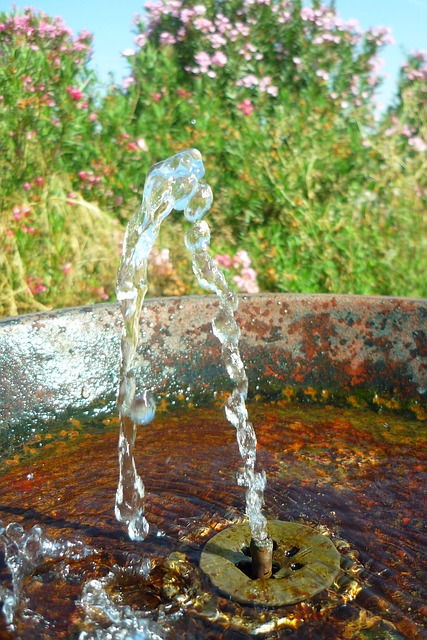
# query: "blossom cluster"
414 72
37 30
406 120
256 59
36 285
38 55
246 277
406 131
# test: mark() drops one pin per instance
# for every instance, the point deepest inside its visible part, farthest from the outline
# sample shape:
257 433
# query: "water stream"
176 184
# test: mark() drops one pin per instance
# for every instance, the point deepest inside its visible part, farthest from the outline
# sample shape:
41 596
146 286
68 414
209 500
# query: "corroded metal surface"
306 563
52 363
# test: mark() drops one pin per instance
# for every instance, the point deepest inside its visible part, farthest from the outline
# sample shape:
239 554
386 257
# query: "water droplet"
143 408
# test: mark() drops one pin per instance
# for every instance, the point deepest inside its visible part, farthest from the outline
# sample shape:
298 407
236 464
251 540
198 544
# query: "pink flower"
224 260
17 213
249 274
141 40
272 90
93 117
217 40
183 93
39 288
246 107
219 59
418 143
100 293
204 25
186 15
156 96
27 186
407 131
242 258
203 59
248 81
245 285
74 93
307 14
66 268
321 73
167 38
127 82
266 86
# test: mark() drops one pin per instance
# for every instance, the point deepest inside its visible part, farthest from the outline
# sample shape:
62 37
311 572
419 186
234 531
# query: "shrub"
279 97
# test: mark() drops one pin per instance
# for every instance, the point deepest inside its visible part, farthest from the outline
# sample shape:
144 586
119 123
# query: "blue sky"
111 23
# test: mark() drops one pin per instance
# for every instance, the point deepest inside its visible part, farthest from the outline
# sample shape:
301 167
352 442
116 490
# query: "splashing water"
176 184
24 551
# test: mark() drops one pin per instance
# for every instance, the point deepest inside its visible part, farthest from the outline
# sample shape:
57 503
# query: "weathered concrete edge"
55 362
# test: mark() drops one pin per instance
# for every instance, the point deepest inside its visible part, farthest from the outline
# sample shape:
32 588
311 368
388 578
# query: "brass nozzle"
262 558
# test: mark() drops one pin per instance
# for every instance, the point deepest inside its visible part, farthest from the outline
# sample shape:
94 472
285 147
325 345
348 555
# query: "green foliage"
278 97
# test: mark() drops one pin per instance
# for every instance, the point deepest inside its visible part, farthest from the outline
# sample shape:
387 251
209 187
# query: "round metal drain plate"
304 563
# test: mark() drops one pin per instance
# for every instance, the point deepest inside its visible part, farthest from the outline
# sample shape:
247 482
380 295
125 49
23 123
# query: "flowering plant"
260 49
245 276
45 94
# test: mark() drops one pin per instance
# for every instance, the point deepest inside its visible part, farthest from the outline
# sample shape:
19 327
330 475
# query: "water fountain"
309 359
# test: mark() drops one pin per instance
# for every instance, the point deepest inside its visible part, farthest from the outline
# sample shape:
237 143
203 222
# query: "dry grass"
69 257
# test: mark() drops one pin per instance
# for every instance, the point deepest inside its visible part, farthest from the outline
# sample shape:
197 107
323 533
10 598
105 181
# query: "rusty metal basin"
375 347
360 478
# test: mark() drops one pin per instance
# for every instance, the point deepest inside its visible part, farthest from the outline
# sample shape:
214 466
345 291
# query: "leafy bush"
278 97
